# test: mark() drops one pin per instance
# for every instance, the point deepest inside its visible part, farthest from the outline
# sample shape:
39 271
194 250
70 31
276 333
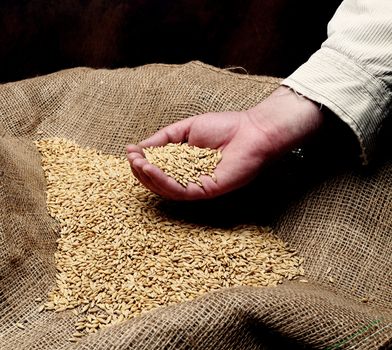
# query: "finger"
146 182
134 149
174 133
137 169
131 157
164 182
138 172
173 189
211 188
134 155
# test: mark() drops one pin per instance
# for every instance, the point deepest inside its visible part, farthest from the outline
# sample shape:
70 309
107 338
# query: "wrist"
287 119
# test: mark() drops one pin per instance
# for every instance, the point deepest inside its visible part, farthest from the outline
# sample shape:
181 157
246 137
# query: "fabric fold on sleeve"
352 72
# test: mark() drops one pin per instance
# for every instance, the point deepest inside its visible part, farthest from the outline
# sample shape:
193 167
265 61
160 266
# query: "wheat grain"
183 162
119 255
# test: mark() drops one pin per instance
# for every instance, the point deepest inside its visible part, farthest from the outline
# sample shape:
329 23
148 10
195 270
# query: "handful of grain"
120 255
183 162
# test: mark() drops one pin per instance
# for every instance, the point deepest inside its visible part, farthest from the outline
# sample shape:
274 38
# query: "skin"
247 139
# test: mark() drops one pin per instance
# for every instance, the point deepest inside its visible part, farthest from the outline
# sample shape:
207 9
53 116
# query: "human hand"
247 139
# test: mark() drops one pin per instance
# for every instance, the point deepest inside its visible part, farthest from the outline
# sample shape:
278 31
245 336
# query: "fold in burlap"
342 226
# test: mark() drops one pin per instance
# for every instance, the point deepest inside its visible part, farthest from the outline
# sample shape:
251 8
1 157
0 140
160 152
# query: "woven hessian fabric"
342 227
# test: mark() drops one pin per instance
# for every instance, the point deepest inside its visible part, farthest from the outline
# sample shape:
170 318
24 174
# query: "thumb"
173 133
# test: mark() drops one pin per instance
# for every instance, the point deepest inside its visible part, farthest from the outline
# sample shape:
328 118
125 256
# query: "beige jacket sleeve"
351 73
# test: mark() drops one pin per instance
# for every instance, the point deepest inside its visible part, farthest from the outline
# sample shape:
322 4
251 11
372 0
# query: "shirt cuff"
358 98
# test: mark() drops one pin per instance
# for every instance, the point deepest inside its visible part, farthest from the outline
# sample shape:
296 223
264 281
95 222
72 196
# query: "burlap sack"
342 226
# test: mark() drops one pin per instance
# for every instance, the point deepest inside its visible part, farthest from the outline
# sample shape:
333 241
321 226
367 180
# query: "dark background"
266 37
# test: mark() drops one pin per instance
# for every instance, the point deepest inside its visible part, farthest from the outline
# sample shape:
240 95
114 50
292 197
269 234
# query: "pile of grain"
120 255
183 162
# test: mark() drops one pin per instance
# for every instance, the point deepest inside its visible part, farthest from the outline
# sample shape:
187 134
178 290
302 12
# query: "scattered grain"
120 255
41 308
20 326
367 299
77 335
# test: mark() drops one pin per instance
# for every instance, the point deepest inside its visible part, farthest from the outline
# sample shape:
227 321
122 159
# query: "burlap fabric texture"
342 226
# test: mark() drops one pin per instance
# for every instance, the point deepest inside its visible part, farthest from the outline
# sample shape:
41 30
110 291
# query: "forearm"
351 73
